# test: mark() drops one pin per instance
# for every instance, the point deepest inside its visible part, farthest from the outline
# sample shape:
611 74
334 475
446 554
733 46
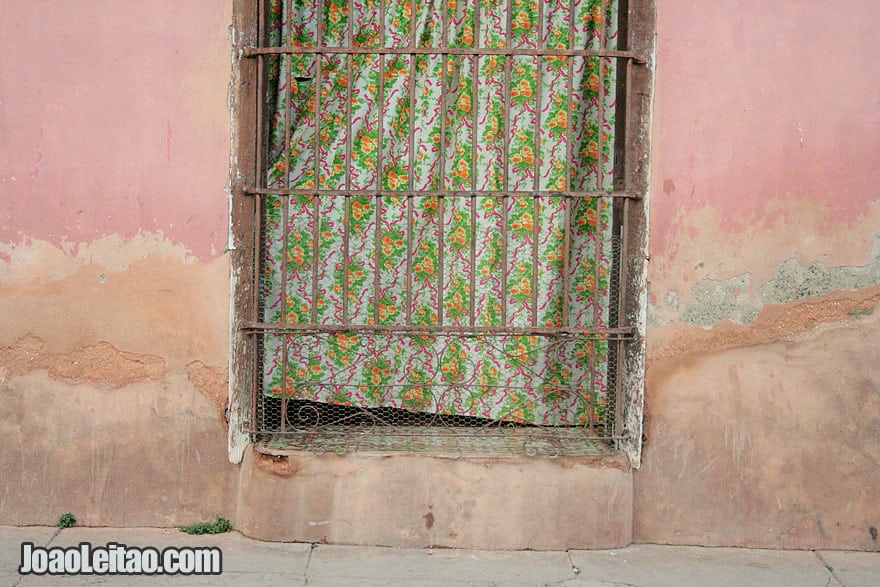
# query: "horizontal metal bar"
315 50
452 385
444 193
280 327
498 428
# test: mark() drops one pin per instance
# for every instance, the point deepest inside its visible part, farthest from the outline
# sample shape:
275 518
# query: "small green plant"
66 521
219 526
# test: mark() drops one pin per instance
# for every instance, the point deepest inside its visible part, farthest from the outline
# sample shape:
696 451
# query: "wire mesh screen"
438 250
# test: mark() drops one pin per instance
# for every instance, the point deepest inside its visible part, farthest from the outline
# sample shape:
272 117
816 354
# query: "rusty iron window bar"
294 417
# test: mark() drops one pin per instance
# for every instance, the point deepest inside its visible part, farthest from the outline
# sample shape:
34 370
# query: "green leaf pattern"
478 260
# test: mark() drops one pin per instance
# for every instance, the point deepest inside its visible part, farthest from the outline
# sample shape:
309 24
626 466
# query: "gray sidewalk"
249 562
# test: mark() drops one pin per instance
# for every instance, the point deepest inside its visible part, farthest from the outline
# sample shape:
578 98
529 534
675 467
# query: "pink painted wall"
760 108
763 367
114 121
114 285
756 103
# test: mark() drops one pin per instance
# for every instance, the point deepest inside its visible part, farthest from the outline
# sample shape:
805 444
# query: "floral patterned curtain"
391 252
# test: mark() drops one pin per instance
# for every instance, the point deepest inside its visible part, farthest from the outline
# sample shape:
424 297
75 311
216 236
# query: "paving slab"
10 547
361 582
245 561
854 569
333 565
240 554
230 579
251 562
661 566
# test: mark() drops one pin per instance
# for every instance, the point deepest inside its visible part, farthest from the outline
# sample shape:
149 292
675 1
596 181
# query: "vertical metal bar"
410 223
599 229
538 98
624 221
443 98
477 4
381 122
505 143
258 228
623 264
381 22
319 33
536 223
440 281
284 367
618 392
413 19
537 169
537 183
348 97
261 40
379 172
284 227
505 157
259 173
569 202
260 181
346 228
444 23
316 235
598 238
377 258
410 228
475 100
475 78
621 313
316 199
601 92
592 399
472 312
440 202
256 366
346 261
285 220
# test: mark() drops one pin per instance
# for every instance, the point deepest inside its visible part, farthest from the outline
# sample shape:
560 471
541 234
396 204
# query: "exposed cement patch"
679 343
278 465
730 299
713 301
99 364
210 381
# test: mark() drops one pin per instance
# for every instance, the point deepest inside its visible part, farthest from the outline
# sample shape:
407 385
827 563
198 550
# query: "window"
441 222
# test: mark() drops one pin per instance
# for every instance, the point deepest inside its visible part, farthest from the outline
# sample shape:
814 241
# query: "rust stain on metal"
100 364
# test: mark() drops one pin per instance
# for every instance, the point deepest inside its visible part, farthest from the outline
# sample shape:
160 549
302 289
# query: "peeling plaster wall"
763 418
114 284
763 374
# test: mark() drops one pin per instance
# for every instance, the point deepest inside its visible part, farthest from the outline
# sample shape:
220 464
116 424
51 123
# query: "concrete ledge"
403 500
